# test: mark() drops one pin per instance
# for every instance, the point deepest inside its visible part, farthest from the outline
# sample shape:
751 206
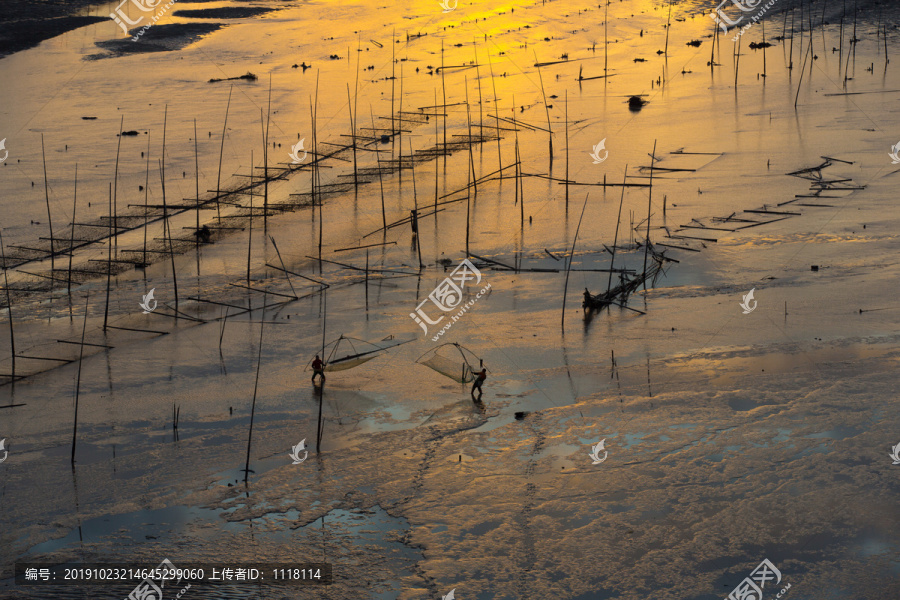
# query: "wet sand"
731 437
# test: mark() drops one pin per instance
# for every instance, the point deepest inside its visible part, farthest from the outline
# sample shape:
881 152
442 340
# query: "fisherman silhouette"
477 385
318 369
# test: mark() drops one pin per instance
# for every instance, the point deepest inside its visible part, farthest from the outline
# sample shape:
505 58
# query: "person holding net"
318 369
479 379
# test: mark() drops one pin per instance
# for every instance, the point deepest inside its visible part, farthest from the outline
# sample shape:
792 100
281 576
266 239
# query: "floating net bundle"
453 361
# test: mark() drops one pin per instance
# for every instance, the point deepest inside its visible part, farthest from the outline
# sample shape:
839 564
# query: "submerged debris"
248 76
636 103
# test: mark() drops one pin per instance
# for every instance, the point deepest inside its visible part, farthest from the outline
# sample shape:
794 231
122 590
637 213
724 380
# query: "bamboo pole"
400 134
146 193
167 227
616 238
497 111
444 92
78 380
71 240
47 199
380 181
108 268
115 203
649 204
321 398
262 325
250 227
12 335
606 40
197 188
393 81
480 103
546 108
352 135
436 174
471 159
567 147
221 151
668 26
355 109
316 167
266 161
283 268
415 221
569 265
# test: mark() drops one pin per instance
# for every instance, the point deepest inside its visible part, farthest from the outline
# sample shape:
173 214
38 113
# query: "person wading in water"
477 385
318 369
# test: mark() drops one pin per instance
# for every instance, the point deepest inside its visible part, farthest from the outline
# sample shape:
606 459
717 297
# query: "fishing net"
453 361
342 364
345 353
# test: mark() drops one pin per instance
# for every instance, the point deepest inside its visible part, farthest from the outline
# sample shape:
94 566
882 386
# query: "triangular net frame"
452 360
347 353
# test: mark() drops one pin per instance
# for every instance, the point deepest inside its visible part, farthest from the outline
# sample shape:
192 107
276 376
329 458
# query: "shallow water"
731 437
